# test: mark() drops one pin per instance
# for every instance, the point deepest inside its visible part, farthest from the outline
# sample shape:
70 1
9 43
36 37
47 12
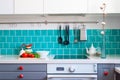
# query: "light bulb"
103 23
102 32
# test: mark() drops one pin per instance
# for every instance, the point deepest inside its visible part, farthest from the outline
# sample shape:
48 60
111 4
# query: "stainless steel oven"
72 71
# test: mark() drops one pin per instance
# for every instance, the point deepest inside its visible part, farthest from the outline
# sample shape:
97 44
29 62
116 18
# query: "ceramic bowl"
43 54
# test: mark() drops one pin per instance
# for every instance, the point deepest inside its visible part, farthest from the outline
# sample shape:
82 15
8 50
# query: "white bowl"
43 54
51 56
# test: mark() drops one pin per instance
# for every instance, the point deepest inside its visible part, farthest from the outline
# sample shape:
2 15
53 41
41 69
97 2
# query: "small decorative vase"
103 54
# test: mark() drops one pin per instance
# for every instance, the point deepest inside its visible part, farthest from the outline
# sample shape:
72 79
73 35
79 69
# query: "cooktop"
70 57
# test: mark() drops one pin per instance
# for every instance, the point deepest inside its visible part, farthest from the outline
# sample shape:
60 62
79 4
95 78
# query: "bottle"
28 48
21 52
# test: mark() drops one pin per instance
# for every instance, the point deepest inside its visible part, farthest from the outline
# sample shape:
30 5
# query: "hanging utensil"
75 35
66 33
59 38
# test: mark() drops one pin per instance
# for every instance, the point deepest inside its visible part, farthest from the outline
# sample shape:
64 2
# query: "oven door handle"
71 76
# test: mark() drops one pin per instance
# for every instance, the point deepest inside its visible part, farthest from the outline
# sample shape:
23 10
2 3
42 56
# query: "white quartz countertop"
117 69
14 59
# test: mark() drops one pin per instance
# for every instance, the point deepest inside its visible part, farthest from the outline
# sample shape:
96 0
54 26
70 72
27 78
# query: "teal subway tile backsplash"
11 40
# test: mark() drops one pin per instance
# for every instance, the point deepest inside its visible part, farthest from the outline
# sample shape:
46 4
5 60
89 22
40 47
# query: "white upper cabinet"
6 7
112 6
28 6
65 6
94 6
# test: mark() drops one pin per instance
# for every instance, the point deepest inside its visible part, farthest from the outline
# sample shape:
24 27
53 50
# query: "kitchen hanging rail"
53 22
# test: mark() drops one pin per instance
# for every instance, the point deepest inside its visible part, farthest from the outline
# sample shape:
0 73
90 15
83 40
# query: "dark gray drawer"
117 65
105 66
26 75
25 67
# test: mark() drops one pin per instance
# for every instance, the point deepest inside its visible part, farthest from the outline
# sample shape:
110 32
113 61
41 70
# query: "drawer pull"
106 73
21 76
21 68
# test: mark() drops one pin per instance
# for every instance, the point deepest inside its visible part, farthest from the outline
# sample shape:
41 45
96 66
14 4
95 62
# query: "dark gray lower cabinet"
105 72
117 75
23 71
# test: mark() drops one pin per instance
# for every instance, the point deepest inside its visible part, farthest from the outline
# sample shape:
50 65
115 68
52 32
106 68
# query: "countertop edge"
62 61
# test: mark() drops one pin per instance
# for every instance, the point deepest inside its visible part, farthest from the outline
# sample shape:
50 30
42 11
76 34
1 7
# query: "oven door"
72 77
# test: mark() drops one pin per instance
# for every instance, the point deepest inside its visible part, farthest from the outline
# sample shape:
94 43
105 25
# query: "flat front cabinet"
105 72
65 6
6 7
112 6
28 6
94 6
23 71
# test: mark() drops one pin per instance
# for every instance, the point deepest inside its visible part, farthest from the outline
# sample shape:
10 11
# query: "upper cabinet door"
112 6
6 6
94 6
28 6
65 6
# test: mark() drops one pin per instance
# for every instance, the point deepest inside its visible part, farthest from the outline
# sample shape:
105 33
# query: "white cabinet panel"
94 6
6 6
65 6
28 6
112 6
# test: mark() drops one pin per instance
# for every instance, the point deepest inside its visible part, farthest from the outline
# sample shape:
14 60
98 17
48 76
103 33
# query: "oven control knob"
71 69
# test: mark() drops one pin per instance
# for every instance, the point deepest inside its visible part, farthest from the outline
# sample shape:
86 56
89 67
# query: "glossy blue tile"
66 51
51 32
40 39
2 39
9 39
6 32
31 32
1 32
53 51
115 32
12 33
3 52
50 45
47 39
5 45
1 45
21 39
44 32
89 32
18 33
28 39
34 39
24 33
15 39
37 33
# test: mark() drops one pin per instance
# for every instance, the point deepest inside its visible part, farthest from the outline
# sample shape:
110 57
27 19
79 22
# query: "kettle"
91 51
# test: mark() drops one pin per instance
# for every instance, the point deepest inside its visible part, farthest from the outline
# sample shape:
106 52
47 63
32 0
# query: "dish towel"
83 33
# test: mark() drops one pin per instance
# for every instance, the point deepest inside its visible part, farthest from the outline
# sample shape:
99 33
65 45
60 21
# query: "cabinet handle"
21 76
95 67
21 67
106 73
